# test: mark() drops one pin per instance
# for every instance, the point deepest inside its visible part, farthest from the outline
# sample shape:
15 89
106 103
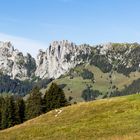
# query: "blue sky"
33 24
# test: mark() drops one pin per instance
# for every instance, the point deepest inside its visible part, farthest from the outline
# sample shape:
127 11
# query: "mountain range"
110 69
58 59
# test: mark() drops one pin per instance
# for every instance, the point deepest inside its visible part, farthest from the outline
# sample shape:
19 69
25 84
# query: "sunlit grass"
109 119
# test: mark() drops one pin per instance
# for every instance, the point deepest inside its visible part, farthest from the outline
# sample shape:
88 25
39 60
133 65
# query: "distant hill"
106 119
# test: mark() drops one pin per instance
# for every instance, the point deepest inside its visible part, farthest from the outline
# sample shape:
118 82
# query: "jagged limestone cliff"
14 63
59 58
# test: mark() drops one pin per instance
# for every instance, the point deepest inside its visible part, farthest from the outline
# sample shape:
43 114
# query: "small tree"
89 94
55 97
34 104
86 74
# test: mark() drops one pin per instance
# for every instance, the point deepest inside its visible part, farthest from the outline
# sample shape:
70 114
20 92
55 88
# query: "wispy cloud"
23 44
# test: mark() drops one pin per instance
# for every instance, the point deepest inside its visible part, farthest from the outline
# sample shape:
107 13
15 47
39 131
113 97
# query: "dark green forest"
14 110
18 87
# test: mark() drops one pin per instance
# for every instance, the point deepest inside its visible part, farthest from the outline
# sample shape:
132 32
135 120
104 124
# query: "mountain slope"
73 83
106 119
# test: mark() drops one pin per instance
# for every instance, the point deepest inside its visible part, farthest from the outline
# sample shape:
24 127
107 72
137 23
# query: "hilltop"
106 119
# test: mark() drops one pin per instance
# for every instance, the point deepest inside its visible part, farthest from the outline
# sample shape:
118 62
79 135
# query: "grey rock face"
13 63
62 56
59 58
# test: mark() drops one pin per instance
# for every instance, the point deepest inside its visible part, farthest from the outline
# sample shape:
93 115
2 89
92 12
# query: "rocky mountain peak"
13 62
59 58
6 48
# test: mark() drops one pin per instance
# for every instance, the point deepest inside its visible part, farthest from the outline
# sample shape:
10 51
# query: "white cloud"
23 44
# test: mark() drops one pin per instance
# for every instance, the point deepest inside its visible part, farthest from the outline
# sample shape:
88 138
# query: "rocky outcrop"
124 57
62 56
59 58
14 63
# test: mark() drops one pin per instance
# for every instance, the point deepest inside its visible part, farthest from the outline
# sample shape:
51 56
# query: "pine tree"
55 97
1 103
20 110
11 111
8 112
34 104
4 114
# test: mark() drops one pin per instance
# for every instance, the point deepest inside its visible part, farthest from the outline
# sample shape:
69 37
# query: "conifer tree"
34 104
11 111
20 110
8 112
1 103
55 97
4 114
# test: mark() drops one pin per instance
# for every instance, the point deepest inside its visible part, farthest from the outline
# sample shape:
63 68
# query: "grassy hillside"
75 86
106 119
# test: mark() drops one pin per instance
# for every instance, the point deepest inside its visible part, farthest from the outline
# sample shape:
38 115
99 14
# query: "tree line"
14 110
21 88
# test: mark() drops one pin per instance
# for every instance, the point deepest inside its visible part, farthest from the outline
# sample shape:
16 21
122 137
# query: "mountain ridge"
51 63
61 56
109 69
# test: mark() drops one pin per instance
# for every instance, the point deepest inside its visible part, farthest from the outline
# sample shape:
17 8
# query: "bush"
89 94
86 74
